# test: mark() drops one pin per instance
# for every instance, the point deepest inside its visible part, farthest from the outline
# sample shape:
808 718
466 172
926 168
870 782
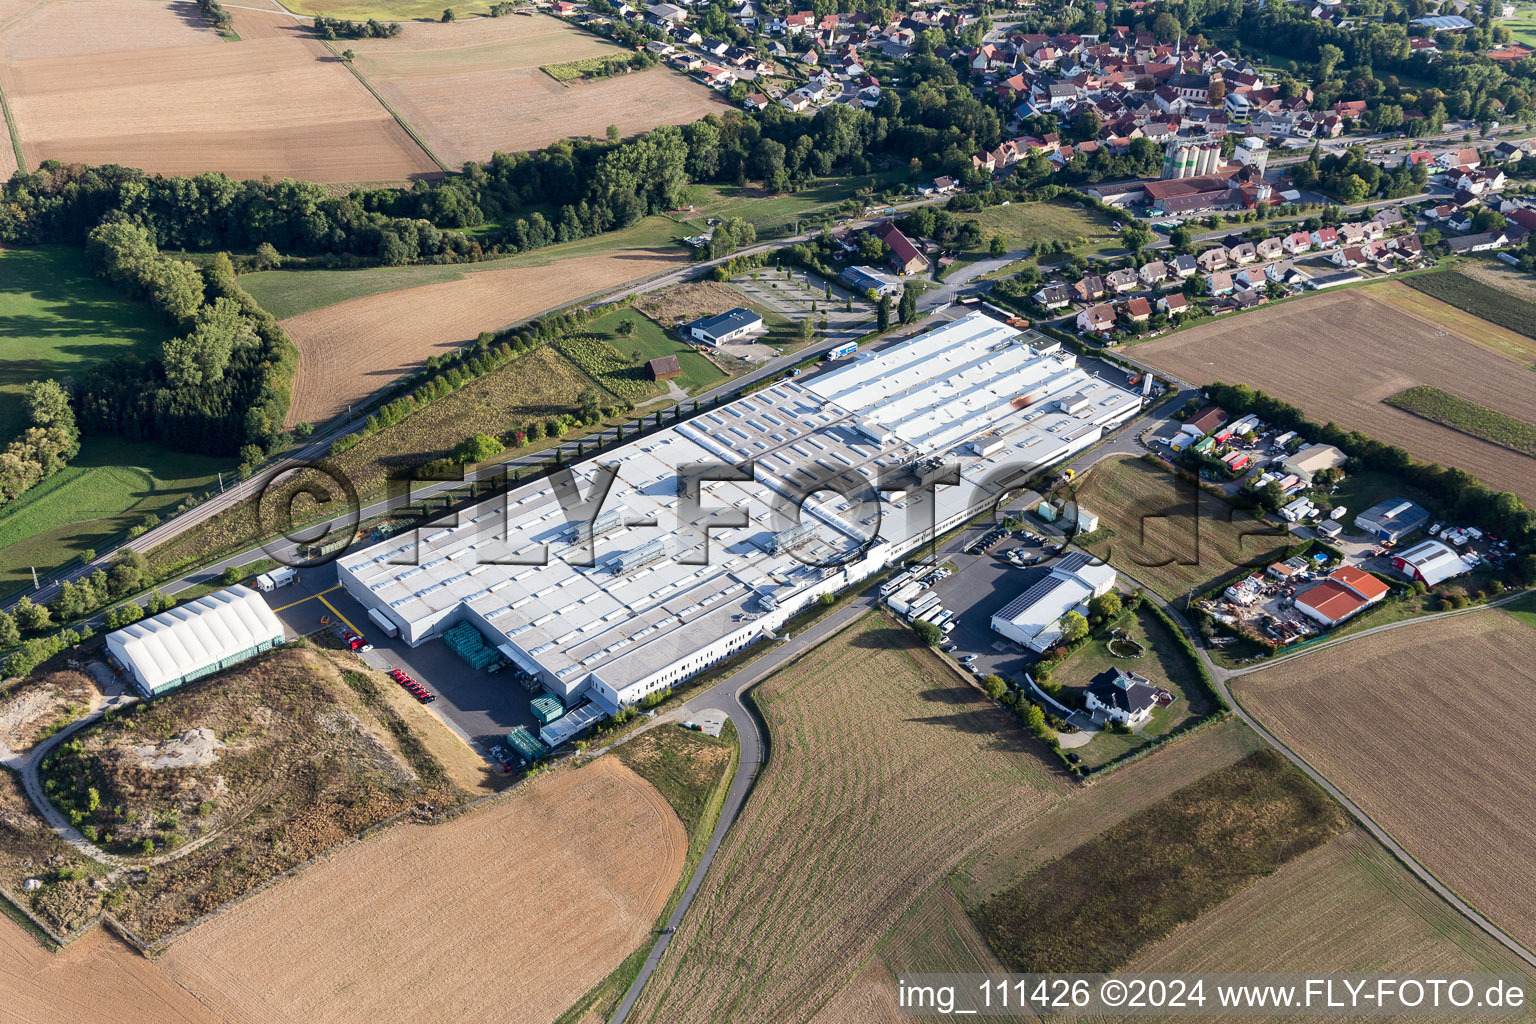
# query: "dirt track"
507 914
350 350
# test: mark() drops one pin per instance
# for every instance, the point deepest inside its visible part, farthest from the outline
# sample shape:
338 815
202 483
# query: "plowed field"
1338 354
1415 725
350 350
430 73
279 106
508 914
69 28
887 769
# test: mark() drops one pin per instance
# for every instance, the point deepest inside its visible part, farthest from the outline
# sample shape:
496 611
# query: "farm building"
904 257
195 639
1392 519
1344 594
1431 563
1309 462
723 328
676 579
1205 421
1120 696
870 280
1033 619
663 368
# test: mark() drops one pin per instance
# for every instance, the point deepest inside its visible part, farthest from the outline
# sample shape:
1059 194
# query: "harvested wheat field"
1414 725
350 350
887 770
509 913
72 28
96 980
277 106
1346 907
1337 355
427 73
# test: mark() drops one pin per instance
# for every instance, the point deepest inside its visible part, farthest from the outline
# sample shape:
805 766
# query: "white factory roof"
641 607
964 380
195 635
1072 582
1435 562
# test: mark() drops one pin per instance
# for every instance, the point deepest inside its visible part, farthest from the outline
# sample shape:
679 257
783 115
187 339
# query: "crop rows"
598 360
887 770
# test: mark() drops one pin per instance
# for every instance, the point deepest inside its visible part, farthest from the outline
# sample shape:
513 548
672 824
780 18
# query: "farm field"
287 293
1165 664
648 341
98 979
1166 533
280 106
72 28
427 72
111 486
817 869
1442 783
693 771
1112 799
1442 407
1345 907
1138 881
1358 350
57 319
349 350
1490 292
559 880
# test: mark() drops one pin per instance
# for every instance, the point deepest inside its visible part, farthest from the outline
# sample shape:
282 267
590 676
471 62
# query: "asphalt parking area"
977 588
481 707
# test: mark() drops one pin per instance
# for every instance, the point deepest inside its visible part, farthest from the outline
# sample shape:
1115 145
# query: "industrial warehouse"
680 581
195 639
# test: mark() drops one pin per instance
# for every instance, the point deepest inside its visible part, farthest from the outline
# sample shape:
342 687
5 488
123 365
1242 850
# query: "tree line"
221 385
339 28
217 16
46 446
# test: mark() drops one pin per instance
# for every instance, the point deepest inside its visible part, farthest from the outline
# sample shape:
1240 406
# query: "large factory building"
652 609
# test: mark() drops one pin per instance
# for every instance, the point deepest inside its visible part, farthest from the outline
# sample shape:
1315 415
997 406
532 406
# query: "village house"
1096 319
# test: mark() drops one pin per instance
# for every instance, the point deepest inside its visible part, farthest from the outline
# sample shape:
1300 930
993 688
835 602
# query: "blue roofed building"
723 328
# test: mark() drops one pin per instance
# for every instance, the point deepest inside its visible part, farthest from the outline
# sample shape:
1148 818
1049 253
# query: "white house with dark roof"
1120 696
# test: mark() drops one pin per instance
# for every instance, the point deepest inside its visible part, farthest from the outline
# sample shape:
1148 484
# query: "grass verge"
1431 403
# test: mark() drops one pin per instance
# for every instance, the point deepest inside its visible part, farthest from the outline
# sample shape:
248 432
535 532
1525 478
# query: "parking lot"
794 296
481 707
978 587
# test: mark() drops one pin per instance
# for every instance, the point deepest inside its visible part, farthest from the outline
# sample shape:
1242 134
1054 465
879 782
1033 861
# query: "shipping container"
279 577
383 622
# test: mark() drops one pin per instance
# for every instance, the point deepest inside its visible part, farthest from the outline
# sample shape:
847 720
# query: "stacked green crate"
546 709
